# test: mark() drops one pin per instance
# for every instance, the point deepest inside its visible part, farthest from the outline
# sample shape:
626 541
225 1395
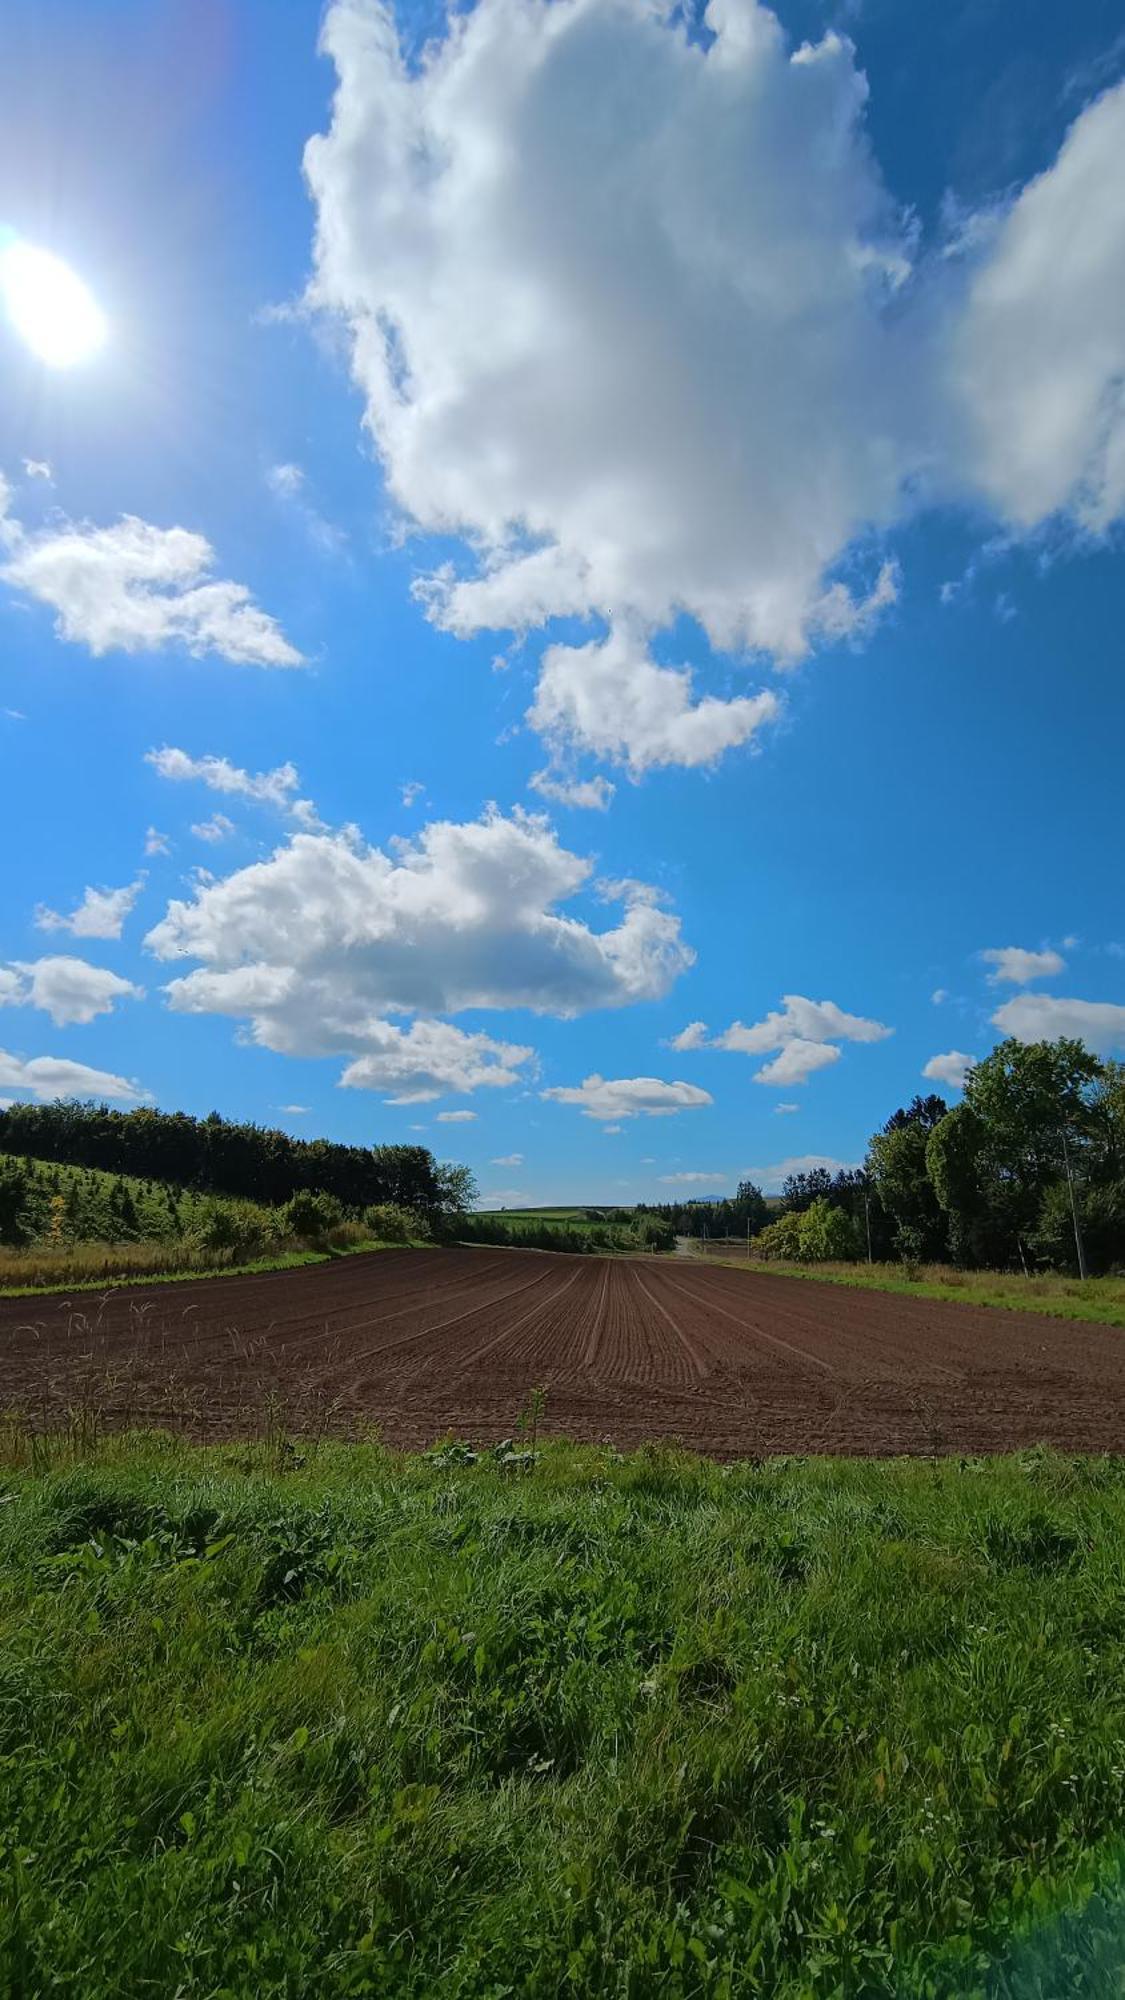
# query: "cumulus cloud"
100 914
507 1160
135 588
1038 357
412 792
315 946
464 916
785 1110
421 1062
70 990
156 842
803 1032
611 698
1040 1017
294 1110
796 1062
1014 967
951 1068
50 1077
279 787
493 230
495 233
455 1117
584 794
630 1097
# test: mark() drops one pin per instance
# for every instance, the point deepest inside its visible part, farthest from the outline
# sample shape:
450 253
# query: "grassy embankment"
1052 1292
96 1228
280 1722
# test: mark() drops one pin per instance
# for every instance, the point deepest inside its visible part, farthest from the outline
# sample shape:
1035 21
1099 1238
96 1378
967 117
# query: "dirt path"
420 1343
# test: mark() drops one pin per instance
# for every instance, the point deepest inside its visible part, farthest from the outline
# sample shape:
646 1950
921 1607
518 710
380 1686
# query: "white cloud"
694 1179
217 828
50 1077
583 794
508 1160
100 914
421 1062
134 588
38 468
611 1131
1015 967
156 842
68 989
611 698
1040 1017
785 1110
772 1178
294 1110
314 945
455 1117
494 229
797 1061
502 1198
630 1097
278 788
495 233
1038 359
939 996
951 1068
412 791
803 1032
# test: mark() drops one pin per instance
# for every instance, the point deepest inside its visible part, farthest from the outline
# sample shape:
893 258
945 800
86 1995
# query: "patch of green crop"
277 1720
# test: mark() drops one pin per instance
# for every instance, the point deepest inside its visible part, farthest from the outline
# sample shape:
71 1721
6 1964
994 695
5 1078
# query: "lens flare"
49 306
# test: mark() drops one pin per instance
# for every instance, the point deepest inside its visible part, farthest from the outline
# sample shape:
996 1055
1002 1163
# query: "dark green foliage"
637 1728
748 1211
215 1155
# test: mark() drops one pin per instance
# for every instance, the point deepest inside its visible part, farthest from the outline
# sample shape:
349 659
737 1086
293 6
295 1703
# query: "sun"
49 306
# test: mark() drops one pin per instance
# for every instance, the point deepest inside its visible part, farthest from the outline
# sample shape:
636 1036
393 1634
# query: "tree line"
1027 1172
219 1156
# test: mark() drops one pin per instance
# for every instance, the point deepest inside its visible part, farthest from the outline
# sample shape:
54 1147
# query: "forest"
215 1155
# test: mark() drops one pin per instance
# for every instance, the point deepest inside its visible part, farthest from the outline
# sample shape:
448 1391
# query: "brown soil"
423 1343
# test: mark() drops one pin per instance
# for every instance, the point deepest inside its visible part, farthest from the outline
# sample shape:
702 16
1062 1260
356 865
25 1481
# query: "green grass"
277 1721
1101 1300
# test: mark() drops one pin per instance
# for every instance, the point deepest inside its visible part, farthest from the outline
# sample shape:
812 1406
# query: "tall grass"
1050 1292
282 1721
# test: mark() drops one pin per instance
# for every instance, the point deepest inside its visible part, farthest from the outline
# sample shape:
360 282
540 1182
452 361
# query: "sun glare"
49 306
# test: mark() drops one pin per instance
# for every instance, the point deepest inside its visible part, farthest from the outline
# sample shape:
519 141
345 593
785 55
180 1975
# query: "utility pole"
1078 1243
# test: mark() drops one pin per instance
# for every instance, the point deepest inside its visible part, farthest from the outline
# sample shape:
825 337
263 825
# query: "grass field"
277 1721
1101 1300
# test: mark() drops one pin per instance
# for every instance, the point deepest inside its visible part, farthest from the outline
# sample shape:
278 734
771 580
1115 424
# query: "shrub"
389 1222
347 1235
825 1235
780 1241
309 1216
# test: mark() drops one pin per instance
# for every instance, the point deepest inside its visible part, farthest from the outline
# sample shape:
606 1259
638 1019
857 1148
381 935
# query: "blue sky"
592 353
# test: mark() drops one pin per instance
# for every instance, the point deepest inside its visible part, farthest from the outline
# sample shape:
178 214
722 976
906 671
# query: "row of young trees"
1028 1171
218 1156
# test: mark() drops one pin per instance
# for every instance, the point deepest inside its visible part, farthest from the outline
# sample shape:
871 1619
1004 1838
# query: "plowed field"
421 1343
